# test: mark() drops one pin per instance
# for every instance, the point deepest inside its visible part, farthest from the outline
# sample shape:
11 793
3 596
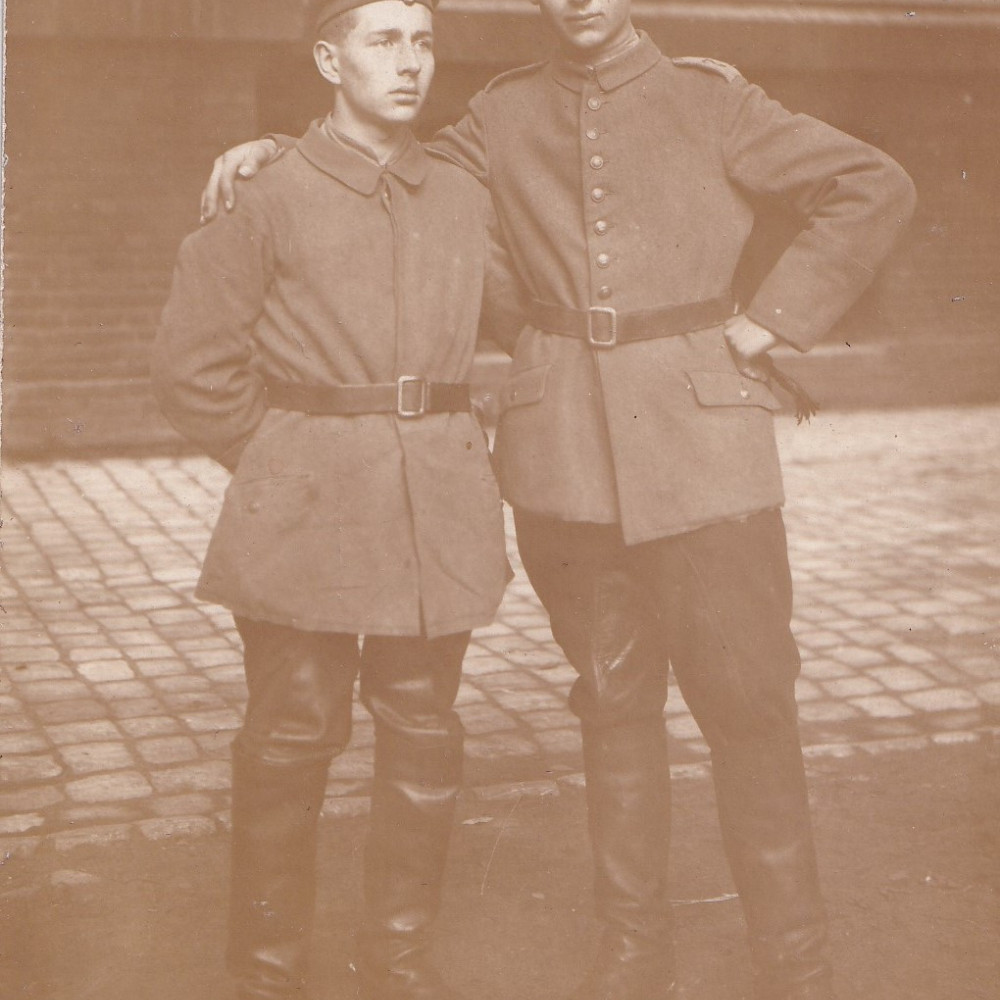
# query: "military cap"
324 11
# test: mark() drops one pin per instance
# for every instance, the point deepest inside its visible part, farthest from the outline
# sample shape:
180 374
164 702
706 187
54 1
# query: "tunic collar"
352 167
615 72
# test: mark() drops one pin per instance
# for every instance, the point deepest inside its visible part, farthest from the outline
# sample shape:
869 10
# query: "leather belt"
604 327
408 397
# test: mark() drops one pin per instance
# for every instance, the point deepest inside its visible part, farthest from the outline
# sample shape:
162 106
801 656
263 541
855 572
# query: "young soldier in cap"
317 342
637 446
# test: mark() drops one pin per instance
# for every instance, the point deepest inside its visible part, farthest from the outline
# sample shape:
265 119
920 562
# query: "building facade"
116 108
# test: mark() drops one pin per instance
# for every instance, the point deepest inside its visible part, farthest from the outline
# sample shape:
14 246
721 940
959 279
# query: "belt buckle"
404 411
612 339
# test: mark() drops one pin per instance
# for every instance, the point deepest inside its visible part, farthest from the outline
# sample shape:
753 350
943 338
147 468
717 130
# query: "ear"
327 61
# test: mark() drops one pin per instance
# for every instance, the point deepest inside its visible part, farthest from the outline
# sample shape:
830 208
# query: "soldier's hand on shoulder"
243 161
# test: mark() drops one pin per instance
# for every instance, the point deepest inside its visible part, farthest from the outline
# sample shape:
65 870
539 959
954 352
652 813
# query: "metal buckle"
404 411
612 340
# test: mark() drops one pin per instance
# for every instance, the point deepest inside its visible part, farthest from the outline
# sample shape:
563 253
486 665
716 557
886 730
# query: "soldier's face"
589 27
384 65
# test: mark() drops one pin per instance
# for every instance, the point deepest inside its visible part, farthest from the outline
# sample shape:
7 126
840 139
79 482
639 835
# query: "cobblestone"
119 694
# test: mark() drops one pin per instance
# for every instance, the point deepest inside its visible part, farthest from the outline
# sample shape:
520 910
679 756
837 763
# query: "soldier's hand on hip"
748 340
242 161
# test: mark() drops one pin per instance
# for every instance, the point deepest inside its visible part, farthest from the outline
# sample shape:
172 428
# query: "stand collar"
612 73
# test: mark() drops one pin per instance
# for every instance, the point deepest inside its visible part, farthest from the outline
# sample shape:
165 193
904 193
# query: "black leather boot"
628 798
764 813
413 808
274 815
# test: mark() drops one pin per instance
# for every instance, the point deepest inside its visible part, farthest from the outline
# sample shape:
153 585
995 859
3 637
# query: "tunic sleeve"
853 198
505 298
465 144
200 364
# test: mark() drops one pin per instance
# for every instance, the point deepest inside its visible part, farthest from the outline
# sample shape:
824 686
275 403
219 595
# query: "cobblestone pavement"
119 693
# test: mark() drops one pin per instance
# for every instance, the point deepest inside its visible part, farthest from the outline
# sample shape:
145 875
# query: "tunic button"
592 134
600 227
597 194
604 292
253 506
603 260
594 103
744 393
597 162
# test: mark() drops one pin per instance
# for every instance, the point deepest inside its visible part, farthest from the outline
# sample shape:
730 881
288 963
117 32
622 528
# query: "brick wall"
110 142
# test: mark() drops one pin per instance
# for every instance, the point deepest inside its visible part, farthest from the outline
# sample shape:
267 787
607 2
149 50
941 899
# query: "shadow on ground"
909 845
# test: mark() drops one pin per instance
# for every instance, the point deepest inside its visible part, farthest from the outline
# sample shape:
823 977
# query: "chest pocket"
731 389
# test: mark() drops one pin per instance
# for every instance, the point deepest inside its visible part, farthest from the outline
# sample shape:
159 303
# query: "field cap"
326 10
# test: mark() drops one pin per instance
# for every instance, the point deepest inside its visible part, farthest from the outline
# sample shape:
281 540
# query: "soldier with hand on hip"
318 341
636 443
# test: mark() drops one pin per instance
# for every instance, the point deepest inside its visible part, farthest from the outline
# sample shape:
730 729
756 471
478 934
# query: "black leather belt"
604 327
407 397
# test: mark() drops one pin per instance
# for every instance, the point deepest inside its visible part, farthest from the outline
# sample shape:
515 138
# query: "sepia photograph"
500 499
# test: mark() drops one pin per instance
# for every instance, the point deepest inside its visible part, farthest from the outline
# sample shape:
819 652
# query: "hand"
748 340
243 161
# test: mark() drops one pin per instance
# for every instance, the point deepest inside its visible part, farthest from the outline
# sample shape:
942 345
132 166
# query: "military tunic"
333 270
626 186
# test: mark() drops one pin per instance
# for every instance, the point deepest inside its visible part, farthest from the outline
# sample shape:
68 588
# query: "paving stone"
856 656
529 700
224 720
513 790
908 653
559 741
989 693
161 667
177 827
219 744
15 723
167 749
116 786
941 699
485 718
851 687
498 745
19 847
193 804
205 776
93 836
826 711
20 823
124 690
40 672
29 798
819 640
136 707
882 707
19 657
18 743
16 768
94 731
87 758
106 670
84 655
47 691
347 807
901 678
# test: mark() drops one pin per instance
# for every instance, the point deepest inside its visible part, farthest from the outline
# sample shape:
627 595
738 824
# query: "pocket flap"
524 387
731 389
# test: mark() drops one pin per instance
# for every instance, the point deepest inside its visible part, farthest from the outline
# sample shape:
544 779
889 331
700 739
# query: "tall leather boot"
275 812
413 808
628 798
767 833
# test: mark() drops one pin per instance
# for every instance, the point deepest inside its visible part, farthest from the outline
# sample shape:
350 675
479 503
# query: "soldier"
636 443
317 341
